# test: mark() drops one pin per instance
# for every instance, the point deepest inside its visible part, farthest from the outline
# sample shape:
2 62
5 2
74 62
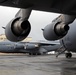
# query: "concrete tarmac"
21 64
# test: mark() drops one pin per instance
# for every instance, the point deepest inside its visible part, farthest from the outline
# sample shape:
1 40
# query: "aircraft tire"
68 55
38 53
34 54
30 53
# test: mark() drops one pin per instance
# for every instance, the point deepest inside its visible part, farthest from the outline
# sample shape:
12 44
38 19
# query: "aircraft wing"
44 43
57 6
48 48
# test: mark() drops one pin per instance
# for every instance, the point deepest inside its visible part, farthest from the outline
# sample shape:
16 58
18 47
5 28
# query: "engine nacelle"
17 30
55 31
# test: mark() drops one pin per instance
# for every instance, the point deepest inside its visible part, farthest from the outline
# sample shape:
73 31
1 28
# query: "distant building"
3 38
27 39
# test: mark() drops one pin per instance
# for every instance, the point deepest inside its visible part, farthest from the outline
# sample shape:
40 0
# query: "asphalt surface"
21 64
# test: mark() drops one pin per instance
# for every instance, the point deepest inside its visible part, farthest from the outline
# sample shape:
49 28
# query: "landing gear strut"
68 55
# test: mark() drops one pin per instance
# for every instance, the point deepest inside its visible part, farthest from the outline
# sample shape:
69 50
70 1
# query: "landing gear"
68 55
38 53
30 53
34 53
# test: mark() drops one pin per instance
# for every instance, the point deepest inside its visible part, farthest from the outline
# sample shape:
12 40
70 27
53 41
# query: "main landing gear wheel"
32 54
68 55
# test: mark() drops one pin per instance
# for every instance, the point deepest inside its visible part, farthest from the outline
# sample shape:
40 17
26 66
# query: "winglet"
3 27
42 29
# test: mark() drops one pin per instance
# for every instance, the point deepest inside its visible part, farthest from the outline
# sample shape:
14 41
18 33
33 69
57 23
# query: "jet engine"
17 29
55 31
58 28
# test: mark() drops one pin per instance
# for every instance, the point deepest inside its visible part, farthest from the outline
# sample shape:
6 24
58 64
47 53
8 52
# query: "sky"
38 20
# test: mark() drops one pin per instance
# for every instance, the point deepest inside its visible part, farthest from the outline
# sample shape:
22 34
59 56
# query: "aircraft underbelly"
58 6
